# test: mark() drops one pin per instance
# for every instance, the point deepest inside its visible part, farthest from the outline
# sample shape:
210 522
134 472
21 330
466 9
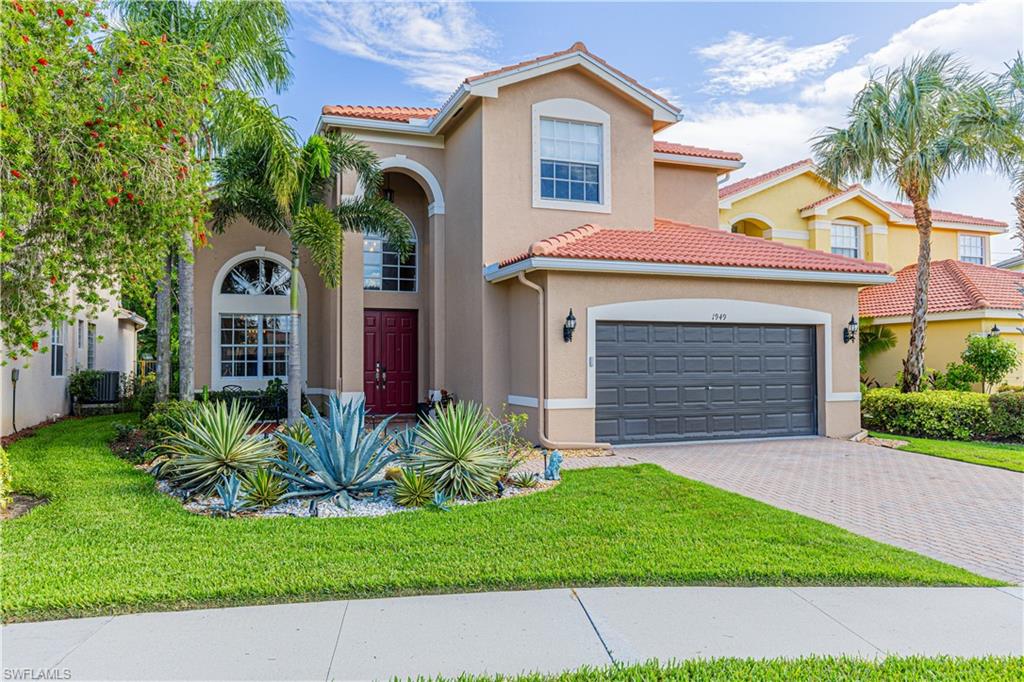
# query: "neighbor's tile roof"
682 243
661 147
952 285
385 113
907 211
830 197
739 186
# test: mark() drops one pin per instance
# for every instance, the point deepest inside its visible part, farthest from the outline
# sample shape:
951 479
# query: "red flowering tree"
97 170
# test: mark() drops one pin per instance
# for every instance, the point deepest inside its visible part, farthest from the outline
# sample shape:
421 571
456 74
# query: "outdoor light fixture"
850 330
389 194
570 327
995 331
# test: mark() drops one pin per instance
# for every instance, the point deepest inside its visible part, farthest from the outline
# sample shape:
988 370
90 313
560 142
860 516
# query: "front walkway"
964 514
511 632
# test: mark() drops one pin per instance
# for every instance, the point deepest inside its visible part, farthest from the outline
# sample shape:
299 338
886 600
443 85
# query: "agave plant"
413 489
227 489
457 447
405 443
263 488
213 443
344 460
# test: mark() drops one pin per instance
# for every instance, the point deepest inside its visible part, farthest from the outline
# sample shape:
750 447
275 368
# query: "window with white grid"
972 248
254 345
570 160
57 350
846 239
383 267
90 350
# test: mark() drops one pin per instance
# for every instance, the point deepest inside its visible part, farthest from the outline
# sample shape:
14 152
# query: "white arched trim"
573 110
245 304
434 192
752 216
706 310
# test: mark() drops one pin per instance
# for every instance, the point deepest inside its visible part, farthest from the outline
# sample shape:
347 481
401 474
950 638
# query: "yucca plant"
263 488
413 488
457 448
213 443
524 479
344 460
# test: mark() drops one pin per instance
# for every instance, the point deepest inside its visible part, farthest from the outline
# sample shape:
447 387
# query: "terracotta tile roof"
907 211
830 197
398 114
575 47
682 243
952 285
747 183
689 150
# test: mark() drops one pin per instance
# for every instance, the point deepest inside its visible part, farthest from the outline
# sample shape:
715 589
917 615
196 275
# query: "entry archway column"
437 297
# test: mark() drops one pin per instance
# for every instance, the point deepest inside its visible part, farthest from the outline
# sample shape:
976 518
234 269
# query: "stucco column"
820 232
437 300
876 243
350 376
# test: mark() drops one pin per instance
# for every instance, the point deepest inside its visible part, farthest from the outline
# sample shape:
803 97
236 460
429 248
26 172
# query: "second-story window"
384 269
570 160
846 239
972 248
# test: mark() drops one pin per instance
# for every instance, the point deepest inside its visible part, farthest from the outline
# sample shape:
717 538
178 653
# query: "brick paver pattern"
964 514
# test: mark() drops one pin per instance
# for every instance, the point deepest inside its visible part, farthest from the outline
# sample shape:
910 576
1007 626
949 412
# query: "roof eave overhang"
497 273
862 194
722 165
940 315
128 316
945 225
728 201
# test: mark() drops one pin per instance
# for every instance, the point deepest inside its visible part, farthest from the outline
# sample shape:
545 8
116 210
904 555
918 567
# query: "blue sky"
758 78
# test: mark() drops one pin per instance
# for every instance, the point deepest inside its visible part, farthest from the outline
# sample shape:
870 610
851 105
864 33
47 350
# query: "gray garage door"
680 381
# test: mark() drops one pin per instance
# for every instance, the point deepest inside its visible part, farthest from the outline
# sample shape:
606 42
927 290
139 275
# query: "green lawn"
1002 455
812 669
108 542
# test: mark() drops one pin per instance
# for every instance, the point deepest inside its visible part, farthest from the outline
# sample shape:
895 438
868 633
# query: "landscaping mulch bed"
21 505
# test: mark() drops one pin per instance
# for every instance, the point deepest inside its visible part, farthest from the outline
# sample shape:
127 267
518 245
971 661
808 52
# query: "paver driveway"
964 514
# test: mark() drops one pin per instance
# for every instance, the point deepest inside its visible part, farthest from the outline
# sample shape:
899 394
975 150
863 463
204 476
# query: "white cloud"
744 63
987 34
435 44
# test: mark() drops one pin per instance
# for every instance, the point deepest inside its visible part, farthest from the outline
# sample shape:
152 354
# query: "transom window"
90 350
57 350
258 277
846 239
383 267
570 160
972 249
254 345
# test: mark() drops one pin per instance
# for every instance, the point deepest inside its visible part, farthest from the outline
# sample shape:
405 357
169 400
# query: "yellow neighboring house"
795 205
1016 263
963 299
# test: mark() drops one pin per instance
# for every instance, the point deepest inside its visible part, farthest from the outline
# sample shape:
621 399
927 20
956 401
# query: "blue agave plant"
344 459
441 502
228 489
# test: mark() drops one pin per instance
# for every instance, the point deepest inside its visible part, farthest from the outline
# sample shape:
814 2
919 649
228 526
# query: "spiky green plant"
440 502
213 443
524 479
344 459
227 489
263 488
413 489
458 448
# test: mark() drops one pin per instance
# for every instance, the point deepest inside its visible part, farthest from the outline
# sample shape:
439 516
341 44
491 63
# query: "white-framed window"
57 350
90 351
971 248
80 334
254 345
846 239
258 277
571 156
384 269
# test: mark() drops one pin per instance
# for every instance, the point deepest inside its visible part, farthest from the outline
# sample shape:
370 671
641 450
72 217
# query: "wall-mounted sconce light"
995 331
850 330
389 194
570 326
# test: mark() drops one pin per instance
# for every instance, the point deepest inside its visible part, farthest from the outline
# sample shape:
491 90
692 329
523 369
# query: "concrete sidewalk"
510 632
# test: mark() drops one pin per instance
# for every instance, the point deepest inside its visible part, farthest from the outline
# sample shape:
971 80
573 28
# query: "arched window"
384 269
257 277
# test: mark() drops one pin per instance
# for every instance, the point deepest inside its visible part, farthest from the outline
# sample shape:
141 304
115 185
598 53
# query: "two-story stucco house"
566 264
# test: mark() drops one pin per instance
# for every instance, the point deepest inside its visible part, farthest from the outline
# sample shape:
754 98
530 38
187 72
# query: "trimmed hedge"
950 415
1008 414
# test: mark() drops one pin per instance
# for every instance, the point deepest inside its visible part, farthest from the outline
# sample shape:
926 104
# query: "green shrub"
1007 414
82 384
459 449
992 358
955 415
214 444
413 488
145 399
131 443
958 377
5 480
167 418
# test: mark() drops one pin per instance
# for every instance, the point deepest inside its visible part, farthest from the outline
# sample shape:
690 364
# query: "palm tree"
906 129
1011 153
251 34
248 187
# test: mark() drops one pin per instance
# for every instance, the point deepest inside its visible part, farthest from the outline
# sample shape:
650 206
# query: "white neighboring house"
107 342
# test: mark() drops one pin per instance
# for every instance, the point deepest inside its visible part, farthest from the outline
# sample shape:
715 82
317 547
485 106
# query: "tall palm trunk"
163 333
186 321
913 365
294 345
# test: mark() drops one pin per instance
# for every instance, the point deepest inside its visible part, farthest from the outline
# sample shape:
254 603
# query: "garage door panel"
669 381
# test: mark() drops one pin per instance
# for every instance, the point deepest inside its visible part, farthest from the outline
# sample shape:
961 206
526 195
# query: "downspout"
541 434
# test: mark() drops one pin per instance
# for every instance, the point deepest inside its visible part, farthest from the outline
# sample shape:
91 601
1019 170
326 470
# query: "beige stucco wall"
686 194
566 371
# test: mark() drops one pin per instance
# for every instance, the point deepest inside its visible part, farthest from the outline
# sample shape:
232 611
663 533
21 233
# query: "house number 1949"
718 317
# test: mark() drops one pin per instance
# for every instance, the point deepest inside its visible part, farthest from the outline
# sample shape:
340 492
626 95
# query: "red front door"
389 360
